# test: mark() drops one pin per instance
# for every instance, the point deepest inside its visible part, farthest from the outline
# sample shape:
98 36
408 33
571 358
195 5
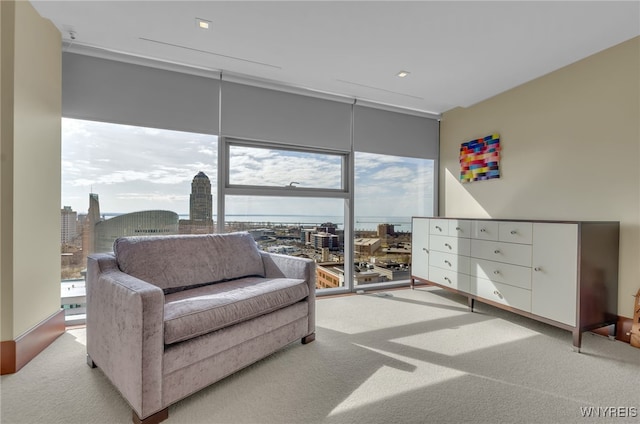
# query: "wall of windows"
309 175
122 180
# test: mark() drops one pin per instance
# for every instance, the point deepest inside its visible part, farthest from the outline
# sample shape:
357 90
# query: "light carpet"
403 356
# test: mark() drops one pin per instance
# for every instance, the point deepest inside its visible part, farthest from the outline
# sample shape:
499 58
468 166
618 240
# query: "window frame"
346 193
226 143
434 200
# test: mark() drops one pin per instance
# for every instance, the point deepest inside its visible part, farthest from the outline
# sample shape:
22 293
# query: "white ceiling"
457 52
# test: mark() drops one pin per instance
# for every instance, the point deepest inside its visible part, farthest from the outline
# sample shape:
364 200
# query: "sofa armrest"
125 332
283 266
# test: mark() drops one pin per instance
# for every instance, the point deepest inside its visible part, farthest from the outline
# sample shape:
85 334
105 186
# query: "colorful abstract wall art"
480 159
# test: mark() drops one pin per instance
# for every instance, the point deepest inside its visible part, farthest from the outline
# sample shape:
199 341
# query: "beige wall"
570 150
6 169
31 203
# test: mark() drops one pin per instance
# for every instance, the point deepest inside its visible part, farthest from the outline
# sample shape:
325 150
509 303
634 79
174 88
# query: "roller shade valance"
392 133
111 91
258 113
127 93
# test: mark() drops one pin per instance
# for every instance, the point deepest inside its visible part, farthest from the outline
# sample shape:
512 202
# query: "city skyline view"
137 168
145 181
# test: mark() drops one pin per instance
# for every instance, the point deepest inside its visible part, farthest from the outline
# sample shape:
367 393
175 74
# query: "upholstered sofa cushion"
171 262
194 312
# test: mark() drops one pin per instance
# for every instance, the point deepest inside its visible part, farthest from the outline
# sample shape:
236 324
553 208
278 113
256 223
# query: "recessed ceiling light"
202 23
402 74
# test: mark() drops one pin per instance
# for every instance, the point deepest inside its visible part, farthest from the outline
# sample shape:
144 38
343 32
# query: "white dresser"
562 273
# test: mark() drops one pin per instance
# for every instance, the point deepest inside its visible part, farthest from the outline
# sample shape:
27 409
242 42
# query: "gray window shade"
123 93
258 113
392 133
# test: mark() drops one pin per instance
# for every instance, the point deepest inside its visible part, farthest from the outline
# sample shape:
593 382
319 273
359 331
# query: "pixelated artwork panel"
480 159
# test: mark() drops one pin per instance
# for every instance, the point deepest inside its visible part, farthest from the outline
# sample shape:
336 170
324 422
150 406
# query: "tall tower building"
68 225
201 201
200 207
88 232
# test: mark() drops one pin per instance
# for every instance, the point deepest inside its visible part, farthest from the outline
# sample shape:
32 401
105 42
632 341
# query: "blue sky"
136 168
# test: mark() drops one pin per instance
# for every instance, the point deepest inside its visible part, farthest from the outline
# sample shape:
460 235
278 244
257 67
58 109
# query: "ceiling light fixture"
202 23
402 74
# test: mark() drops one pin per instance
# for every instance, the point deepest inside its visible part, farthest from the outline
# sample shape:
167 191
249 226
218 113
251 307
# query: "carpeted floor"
401 356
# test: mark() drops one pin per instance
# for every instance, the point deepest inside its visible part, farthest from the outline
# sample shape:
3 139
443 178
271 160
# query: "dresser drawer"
484 230
511 253
451 279
449 261
439 226
501 293
513 275
448 244
460 228
515 232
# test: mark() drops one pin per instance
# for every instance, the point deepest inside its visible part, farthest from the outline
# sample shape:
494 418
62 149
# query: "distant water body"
367 223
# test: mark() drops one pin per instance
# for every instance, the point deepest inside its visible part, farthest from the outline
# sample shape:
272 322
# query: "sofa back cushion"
175 262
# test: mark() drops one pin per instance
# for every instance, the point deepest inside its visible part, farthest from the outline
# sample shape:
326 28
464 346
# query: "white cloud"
80 182
279 169
115 161
122 176
141 168
207 151
394 174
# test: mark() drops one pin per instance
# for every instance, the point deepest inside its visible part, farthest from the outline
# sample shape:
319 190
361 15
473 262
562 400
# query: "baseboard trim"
17 353
7 357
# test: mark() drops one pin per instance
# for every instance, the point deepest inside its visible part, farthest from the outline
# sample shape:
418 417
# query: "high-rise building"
306 235
327 227
88 231
68 225
386 230
200 207
320 240
201 201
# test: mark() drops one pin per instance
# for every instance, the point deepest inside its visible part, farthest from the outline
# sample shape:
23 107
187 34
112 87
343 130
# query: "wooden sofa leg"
152 419
90 362
308 339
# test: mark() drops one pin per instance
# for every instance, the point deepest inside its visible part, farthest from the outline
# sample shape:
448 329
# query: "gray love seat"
170 315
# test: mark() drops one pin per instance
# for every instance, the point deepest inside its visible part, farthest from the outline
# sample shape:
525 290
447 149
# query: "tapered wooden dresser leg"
577 340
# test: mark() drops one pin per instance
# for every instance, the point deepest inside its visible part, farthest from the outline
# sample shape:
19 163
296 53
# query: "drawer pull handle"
447 278
483 230
497 293
425 249
514 232
496 251
496 272
448 245
537 269
438 228
447 262
458 229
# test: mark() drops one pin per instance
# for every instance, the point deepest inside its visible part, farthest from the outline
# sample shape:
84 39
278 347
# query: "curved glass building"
156 222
